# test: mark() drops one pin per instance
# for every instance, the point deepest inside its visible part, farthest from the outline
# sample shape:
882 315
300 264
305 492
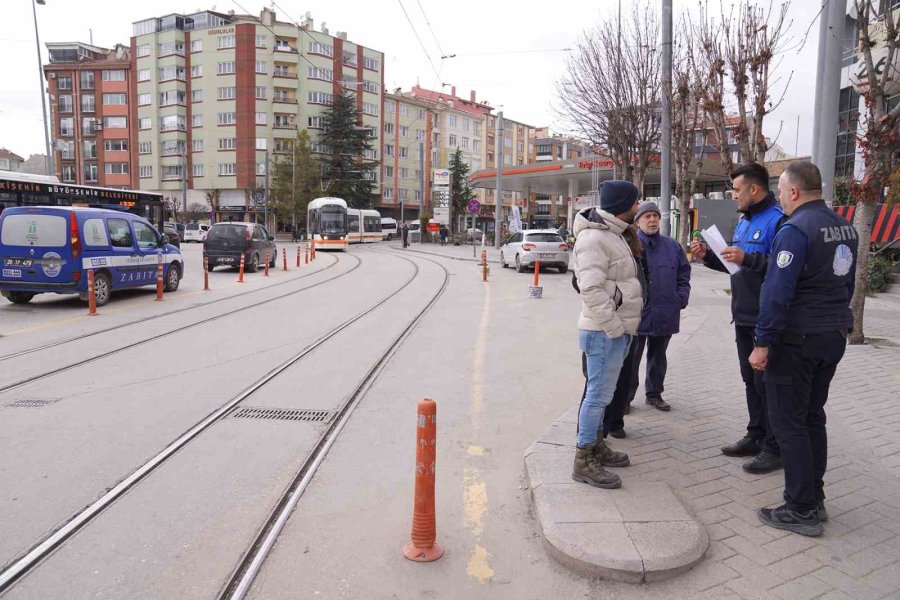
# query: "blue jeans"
605 356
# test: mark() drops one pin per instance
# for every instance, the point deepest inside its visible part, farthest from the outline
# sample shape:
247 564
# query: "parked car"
226 242
172 234
525 247
478 234
179 227
195 232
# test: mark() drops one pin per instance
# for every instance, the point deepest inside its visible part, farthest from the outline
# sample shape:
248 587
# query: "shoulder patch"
784 259
757 234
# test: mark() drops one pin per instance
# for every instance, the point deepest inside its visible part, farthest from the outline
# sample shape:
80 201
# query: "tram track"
22 565
159 316
56 371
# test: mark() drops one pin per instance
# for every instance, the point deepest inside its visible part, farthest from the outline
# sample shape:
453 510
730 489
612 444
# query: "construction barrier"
92 294
422 546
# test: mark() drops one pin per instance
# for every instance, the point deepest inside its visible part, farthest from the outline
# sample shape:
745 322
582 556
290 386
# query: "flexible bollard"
241 271
298 257
535 291
484 269
159 278
92 294
422 546
312 252
537 272
205 273
266 271
306 254
284 256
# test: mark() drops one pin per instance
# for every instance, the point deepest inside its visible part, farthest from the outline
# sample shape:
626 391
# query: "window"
196 45
197 145
477 129
260 92
143 75
451 121
171 172
261 168
283 121
115 145
315 122
465 124
119 233
68 150
389 128
404 131
171 98
283 146
261 41
262 118
283 45
145 147
196 95
115 168
389 107
145 123
225 41
197 170
370 108
90 172
520 146
171 72
64 83
404 152
320 73
113 98
114 75
507 159
87 81
226 169
143 50
88 103
388 193
388 150
114 122
261 67
370 86
196 71
404 110
226 68
260 143
507 142
172 122
370 63
168 48
145 99
371 153
65 103
317 48
196 120
68 173
226 118
420 134
320 98
226 93
90 149
227 143
452 140
171 148
476 146
404 194
145 172
404 173
319 147
388 171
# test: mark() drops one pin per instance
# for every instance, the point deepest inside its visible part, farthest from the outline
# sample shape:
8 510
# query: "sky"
512 58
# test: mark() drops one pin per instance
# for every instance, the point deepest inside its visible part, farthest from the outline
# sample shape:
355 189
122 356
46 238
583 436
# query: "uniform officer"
800 339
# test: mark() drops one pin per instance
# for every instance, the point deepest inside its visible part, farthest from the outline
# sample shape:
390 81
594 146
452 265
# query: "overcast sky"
510 57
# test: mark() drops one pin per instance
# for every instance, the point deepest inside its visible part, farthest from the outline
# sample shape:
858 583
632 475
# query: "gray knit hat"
647 207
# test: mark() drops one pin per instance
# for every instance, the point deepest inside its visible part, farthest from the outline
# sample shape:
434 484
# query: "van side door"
147 239
124 259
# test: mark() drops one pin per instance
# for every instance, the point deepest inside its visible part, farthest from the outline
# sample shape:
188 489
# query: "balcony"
285 46
284 99
284 72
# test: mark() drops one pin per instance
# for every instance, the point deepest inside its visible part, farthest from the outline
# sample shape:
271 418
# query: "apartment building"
217 93
10 161
407 155
553 146
89 107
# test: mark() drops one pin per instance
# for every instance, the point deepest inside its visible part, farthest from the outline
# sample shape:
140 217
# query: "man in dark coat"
404 235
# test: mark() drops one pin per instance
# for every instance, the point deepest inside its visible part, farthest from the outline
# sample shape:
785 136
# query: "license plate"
226 259
17 262
12 273
546 255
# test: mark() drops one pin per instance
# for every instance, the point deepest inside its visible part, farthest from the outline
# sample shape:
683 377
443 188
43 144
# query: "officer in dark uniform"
800 338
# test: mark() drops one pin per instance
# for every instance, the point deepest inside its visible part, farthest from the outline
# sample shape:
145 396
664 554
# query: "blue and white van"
49 249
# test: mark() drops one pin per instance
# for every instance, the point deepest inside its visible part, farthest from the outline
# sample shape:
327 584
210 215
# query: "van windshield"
227 232
48 231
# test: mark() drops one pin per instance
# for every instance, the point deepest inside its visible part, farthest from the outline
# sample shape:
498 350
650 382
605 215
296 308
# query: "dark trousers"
657 364
755 389
797 379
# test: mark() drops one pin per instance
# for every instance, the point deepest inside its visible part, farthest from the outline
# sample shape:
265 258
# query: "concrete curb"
638 533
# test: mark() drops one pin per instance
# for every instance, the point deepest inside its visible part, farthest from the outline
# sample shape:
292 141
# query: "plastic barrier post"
422 546
159 278
267 264
306 254
241 271
284 257
298 256
537 272
205 273
92 294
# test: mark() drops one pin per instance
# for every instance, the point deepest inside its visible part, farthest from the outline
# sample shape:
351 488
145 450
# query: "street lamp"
48 162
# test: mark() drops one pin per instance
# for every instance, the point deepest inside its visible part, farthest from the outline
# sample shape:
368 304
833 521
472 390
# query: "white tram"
363 226
326 223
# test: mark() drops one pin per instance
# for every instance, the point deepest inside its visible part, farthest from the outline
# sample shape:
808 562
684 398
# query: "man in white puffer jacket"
612 295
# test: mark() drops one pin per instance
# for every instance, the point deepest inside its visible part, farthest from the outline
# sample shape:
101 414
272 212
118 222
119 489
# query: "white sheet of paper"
717 244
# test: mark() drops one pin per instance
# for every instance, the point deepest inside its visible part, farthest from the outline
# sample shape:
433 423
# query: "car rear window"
192 227
49 231
227 232
543 237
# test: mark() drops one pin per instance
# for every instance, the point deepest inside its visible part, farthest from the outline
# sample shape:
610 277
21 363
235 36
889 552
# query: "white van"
195 232
388 228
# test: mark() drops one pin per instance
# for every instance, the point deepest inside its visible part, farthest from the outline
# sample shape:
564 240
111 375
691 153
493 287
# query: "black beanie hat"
617 197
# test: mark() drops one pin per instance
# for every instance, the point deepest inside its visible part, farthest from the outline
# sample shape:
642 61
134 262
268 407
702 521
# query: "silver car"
529 245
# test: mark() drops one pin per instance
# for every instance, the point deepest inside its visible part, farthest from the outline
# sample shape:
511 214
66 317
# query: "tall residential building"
89 107
215 92
407 157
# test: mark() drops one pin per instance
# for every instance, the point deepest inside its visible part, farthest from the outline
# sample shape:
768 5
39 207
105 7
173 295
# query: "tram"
363 226
326 223
24 189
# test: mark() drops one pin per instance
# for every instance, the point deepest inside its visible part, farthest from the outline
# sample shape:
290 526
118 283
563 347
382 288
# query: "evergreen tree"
460 192
295 181
345 168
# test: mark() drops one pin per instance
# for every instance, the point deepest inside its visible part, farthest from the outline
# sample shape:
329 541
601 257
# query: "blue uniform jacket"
670 285
754 234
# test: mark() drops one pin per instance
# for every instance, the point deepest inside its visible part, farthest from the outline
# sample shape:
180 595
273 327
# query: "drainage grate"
282 414
34 402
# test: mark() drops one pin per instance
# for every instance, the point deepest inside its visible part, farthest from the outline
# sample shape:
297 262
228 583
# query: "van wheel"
173 277
102 288
253 265
390 236
20 297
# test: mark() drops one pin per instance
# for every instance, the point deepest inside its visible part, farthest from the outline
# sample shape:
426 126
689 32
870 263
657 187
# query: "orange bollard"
312 250
92 294
241 271
484 265
284 256
537 272
298 256
205 273
306 254
422 546
159 278
267 264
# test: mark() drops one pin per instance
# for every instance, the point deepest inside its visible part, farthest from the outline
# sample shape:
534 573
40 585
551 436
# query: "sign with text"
440 195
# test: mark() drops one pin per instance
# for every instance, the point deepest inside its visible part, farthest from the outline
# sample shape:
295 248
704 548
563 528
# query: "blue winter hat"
617 197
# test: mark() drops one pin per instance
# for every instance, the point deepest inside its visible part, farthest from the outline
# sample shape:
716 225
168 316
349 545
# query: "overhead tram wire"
430 62
427 22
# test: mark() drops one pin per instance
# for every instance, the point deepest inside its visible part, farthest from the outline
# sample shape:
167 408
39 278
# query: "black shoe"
807 523
659 404
618 433
764 462
820 508
746 446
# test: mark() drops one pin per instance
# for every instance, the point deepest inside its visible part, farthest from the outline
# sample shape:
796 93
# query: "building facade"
407 156
10 161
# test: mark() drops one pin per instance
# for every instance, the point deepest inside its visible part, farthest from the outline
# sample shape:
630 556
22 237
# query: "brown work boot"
588 470
609 457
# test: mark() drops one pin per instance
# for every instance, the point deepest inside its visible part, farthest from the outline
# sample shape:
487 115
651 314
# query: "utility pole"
293 187
48 162
421 182
184 181
829 86
266 194
665 192
820 64
498 201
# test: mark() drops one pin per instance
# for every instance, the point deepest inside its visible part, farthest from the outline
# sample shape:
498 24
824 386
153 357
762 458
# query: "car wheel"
520 268
20 297
173 277
253 265
102 288
274 256
564 269
503 262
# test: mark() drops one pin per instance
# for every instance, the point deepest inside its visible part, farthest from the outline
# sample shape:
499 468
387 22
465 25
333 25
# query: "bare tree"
172 206
877 43
213 198
610 94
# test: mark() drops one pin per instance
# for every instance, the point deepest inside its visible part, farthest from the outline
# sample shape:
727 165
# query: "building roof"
451 100
4 153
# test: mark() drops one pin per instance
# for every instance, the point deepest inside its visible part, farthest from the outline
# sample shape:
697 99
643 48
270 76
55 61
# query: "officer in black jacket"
800 339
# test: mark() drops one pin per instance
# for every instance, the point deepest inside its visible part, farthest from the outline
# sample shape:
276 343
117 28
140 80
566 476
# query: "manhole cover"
282 414
33 402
